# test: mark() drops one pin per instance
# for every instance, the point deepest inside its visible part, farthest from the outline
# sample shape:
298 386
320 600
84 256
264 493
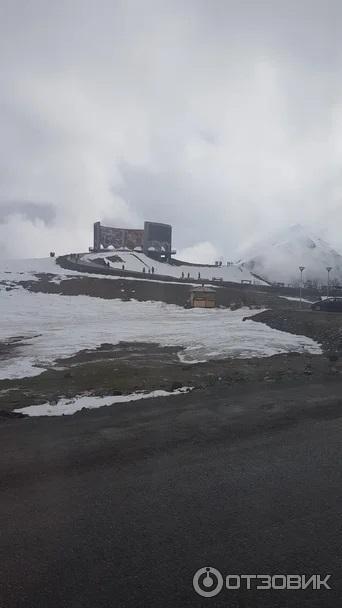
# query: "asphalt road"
120 507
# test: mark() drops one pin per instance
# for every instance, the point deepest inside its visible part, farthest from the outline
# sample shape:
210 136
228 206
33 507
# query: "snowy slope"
16 270
25 270
278 257
136 261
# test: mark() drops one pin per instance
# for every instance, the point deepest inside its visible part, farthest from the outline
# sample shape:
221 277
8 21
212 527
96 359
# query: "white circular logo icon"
207 582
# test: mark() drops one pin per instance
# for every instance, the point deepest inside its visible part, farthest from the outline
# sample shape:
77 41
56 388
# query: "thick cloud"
221 117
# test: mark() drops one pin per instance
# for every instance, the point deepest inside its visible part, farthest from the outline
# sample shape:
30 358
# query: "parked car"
328 305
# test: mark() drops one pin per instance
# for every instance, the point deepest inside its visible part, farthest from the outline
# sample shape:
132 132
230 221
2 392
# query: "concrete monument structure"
154 240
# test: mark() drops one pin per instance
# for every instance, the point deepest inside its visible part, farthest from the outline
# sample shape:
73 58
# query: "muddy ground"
128 367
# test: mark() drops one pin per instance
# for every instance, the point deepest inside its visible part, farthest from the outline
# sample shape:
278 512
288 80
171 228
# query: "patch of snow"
56 326
67 407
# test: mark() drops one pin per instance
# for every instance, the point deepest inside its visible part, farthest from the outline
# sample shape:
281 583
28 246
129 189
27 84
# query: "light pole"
301 268
329 268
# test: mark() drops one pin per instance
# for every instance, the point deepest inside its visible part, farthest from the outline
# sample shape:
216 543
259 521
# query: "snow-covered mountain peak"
278 256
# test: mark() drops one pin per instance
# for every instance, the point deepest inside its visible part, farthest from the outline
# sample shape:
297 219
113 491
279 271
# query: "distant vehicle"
328 305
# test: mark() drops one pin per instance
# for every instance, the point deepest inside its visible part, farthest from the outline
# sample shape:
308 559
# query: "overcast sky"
223 118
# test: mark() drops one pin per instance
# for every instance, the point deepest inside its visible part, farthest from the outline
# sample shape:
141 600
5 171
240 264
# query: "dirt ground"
323 327
149 290
128 367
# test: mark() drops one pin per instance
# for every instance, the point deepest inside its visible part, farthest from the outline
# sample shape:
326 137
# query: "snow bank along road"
53 326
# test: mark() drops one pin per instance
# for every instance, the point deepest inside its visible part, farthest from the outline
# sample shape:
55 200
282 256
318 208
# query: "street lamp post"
301 268
329 268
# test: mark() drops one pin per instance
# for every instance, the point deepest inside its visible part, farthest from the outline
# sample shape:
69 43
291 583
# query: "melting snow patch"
60 326
67 407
